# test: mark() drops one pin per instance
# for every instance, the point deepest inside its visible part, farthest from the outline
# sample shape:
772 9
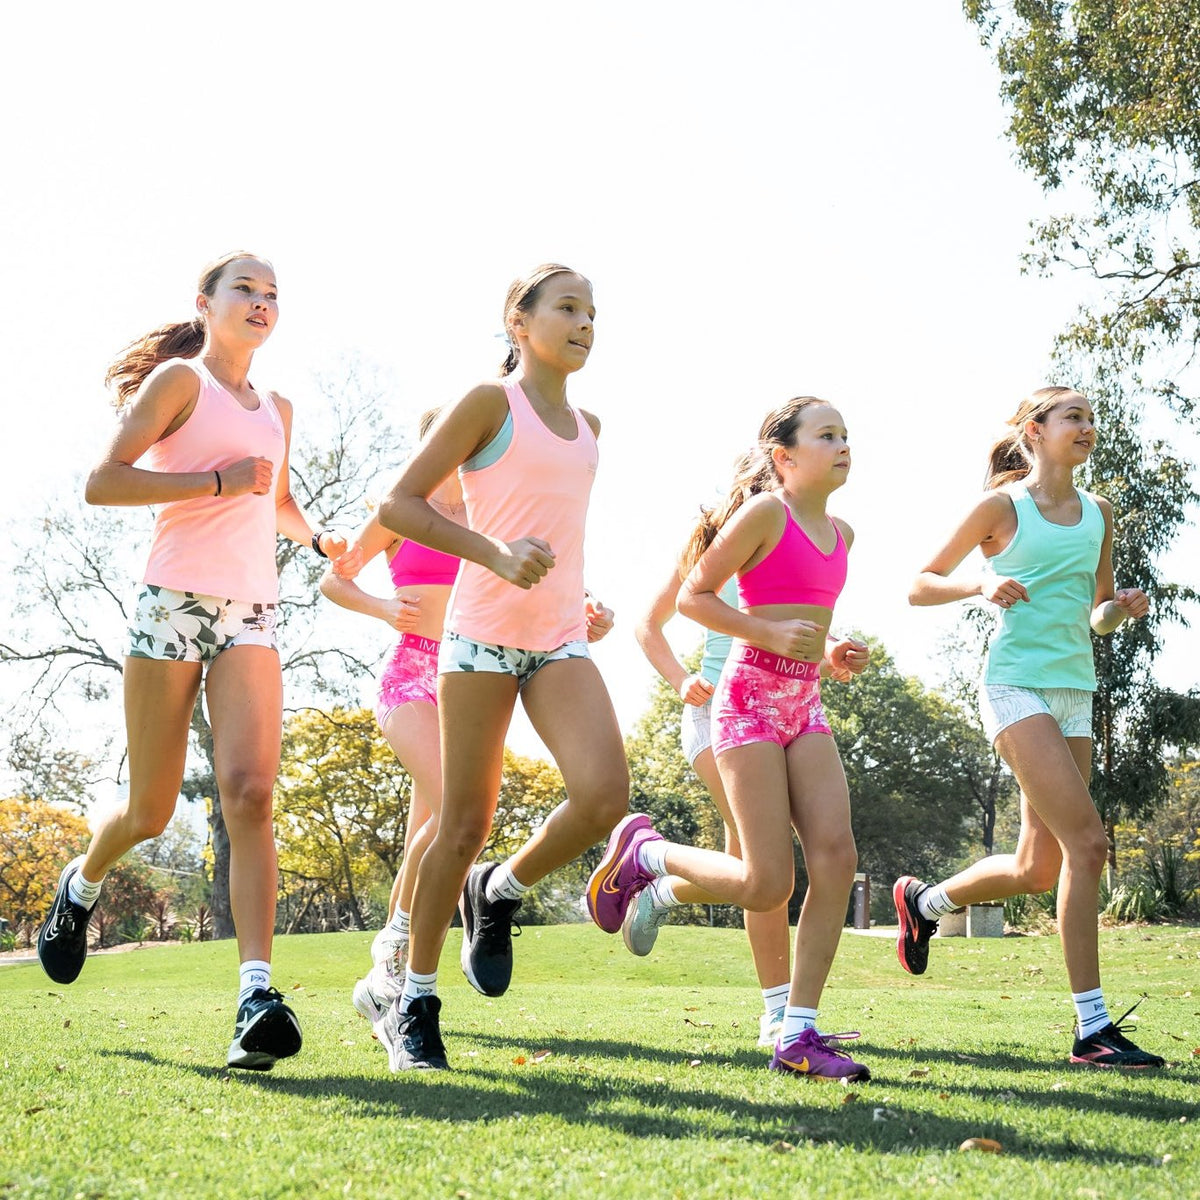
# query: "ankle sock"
662 893
417 985
935 904
795 1022
775 998
652 856
502 884
252 975
399 924
1091 1012
82 891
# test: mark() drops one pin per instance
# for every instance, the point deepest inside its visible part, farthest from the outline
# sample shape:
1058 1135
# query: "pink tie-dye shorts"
409 675
764 697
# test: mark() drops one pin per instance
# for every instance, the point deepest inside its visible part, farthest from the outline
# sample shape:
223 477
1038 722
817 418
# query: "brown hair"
522 295
178 339
754 472
1011 458
426 422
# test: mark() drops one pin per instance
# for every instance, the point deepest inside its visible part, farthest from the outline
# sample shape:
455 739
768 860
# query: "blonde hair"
754 472
1011 458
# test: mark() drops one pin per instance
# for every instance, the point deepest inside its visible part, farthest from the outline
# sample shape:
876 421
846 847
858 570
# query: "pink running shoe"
618 877
812 1054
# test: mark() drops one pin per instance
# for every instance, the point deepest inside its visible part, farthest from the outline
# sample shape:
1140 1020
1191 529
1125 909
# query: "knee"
147 825
1089 851
768 890
464 838
832 864
246 797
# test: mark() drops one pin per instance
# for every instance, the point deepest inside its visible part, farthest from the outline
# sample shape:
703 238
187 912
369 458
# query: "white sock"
795 1022
935 904
1090 1011
82 891
652 856
775 998
416 986
662 893
252 975
398 925
502 884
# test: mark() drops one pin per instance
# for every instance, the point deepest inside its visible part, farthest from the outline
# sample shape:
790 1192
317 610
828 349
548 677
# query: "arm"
162 405
400 612
1111 608
692 689
290 518
983 525
461 431
757 525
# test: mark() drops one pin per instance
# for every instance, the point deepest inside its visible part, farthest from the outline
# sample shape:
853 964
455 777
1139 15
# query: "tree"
1103 101
65 643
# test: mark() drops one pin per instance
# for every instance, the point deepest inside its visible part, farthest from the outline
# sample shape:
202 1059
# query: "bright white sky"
770 198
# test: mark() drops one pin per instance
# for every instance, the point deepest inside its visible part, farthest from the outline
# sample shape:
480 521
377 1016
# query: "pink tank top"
796 571
220 546
539 487
414 564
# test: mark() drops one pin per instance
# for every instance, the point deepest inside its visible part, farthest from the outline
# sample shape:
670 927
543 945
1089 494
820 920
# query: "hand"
523 562
696 690
1003 592
345 561
1133 603
248 475
402 612
599 619
847 657
795 639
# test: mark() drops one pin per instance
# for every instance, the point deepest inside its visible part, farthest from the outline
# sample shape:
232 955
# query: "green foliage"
1104 101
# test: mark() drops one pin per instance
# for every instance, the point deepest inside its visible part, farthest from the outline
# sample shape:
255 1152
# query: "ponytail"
180 339
509 365
1011 458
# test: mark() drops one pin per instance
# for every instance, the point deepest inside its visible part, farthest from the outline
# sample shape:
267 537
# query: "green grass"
115 1086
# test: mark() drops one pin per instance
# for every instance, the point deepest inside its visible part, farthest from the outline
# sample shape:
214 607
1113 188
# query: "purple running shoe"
618 877
812 1054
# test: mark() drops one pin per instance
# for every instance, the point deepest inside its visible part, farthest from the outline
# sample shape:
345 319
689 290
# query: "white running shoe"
374 993
770 1025
643 919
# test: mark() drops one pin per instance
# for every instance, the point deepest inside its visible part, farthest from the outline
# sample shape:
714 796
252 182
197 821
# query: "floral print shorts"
465 654
185 627
763 697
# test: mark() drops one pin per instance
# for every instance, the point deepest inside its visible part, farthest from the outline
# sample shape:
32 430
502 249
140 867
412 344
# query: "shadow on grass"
576 1093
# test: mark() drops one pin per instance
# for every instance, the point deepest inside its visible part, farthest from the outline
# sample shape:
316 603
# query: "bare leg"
821 816
412 732
159 698
244 690
755 780
570 709
474 709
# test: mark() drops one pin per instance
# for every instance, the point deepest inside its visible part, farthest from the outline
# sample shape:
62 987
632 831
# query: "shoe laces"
425 1035
493 928
1115 1034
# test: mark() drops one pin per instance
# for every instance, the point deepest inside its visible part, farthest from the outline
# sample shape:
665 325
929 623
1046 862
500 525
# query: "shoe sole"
901 904
45 924
627 930
617 843
1114 1066
252 1056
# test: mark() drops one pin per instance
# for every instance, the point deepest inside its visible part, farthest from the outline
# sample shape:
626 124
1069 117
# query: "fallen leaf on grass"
783 1147
1166 1158
883 1114
1005 997
943 1095
519 1061
694 1063
987 1145
1196 1052
347 1042
849 1097
60 1066
918 1073
1057 1087
687 1008
540 1056
697 1024
37 1108
67 1025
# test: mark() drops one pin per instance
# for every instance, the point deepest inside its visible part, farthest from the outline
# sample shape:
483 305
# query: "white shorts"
695 730
1003 704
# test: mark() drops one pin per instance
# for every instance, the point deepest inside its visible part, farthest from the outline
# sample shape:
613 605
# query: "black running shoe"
412 1038
1109 1047
488 927
912 946
62 939
266 1030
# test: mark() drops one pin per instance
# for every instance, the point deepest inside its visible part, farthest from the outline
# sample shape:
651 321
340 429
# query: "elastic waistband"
414 641
764 660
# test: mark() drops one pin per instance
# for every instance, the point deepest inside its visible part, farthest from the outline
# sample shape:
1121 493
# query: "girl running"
407 705
214 451
1047 547
774 751
515 625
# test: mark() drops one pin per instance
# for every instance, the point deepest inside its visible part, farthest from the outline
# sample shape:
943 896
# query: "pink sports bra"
796 571
414 564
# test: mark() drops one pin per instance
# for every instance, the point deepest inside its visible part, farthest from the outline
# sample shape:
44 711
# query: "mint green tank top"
718 645
1046 643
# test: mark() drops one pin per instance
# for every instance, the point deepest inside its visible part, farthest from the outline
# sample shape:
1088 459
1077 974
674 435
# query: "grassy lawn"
602 1075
